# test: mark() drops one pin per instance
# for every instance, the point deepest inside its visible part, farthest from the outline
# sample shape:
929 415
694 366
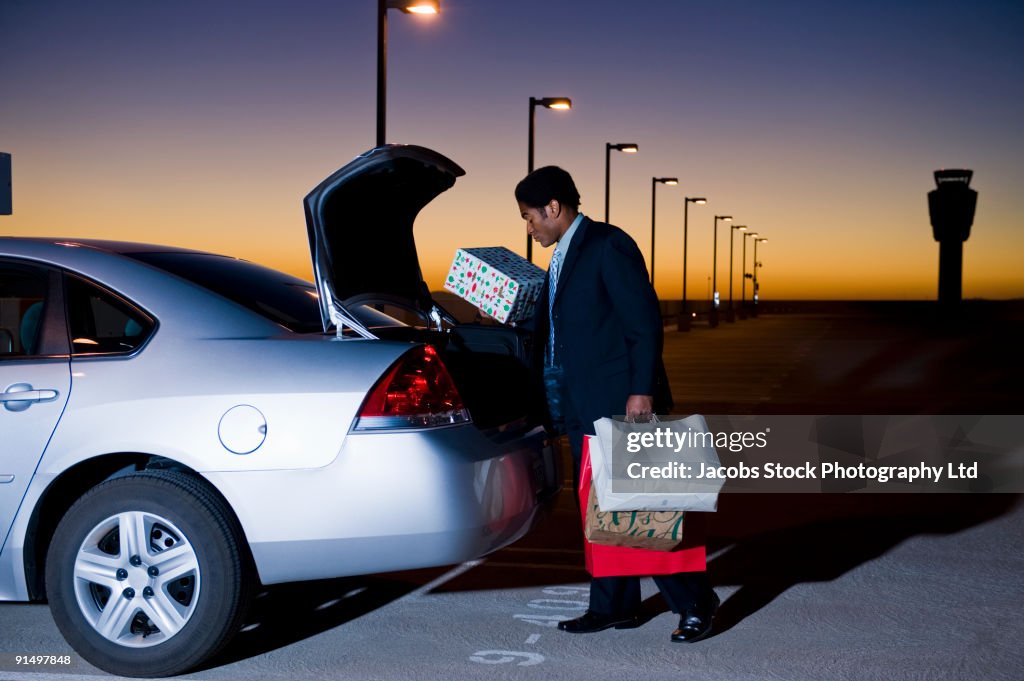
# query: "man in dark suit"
602 327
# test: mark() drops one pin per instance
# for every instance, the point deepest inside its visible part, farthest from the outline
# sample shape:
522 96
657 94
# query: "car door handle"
29 396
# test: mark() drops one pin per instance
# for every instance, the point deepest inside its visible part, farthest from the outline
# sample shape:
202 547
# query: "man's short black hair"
550 182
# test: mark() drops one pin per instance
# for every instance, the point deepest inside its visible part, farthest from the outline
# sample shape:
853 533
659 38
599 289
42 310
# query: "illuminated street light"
421 7
627 148
407 7
743 286
730 315
655 181
757 264
713 313
684 316
562 103
559 104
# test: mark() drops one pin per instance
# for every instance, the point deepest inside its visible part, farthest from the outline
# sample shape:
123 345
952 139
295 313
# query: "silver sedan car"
178 427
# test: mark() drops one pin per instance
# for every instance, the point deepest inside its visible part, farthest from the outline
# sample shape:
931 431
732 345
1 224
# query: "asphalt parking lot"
909 595
813 586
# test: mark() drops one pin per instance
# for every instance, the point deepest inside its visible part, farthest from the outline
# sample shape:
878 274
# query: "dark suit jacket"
608 328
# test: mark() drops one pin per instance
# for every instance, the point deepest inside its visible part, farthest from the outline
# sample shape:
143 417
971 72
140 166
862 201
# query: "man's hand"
639 407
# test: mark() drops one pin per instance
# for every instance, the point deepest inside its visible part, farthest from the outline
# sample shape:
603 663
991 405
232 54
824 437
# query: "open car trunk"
360 223
490 367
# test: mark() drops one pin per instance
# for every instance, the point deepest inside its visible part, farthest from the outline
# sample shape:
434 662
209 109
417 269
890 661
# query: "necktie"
553 270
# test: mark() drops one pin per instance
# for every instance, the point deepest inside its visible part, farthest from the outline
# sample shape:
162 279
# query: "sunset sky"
817 124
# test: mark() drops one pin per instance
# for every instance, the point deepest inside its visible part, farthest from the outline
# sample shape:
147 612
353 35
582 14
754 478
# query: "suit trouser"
621 595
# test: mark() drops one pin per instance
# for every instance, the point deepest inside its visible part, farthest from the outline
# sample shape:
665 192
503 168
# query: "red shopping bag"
622 561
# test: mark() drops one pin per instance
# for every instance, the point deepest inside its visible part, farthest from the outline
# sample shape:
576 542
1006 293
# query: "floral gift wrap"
498 282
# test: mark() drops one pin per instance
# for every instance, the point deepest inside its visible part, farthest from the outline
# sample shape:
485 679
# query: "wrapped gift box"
461 279
498 282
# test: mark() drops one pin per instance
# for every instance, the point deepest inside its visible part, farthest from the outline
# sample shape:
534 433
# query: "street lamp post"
684 314
655 181
757 264
730 315
625 147
743 283
408 7
713 313
560 104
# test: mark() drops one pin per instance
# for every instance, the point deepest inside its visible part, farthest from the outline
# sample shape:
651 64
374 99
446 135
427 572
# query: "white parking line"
538 566
720 552
47 676
433 584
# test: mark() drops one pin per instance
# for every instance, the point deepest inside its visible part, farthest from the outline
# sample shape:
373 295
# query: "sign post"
5 184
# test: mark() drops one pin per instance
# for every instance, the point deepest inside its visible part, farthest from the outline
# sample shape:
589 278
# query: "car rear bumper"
393 501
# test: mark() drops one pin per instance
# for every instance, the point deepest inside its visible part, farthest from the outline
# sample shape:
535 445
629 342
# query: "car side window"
103 323
22 303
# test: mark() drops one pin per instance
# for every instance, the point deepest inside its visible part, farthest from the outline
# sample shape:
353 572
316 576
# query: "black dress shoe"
592 621
695 622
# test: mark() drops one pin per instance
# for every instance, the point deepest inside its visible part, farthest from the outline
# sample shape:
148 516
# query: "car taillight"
417 392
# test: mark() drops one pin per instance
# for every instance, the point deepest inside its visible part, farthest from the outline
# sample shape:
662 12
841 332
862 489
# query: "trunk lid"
360 225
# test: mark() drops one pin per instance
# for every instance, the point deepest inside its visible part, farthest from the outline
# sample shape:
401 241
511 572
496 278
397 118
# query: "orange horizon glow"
808 264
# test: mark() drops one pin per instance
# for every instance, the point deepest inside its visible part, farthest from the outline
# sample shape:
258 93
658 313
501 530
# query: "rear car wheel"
147 574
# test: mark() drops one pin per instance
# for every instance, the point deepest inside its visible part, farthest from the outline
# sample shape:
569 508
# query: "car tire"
149 574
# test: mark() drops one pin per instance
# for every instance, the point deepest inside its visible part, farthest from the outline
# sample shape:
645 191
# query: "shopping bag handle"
653 419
